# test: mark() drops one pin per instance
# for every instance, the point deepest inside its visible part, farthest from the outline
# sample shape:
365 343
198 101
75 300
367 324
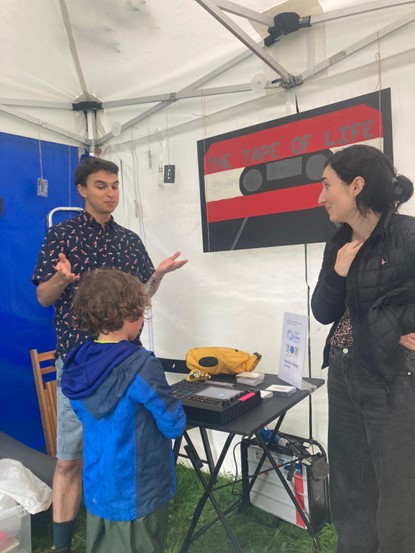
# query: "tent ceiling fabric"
126 48
121 49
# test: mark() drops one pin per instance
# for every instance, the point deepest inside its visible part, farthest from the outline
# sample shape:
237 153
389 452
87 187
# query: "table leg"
208 494
206 447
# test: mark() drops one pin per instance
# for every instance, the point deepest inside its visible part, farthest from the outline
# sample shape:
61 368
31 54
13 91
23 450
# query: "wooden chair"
44 364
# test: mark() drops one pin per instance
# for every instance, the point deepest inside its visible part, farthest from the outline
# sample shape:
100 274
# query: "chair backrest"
44 364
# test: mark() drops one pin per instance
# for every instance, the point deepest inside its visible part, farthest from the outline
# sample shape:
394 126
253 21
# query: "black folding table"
247 425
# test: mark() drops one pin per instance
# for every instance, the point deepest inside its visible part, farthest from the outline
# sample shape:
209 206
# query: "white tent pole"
72 47
268 21
183 95
92 127
236 9
133 121
216 12
165 103
218 71
357 10
191 124
358 46
194 90
38 123
188 90
36 104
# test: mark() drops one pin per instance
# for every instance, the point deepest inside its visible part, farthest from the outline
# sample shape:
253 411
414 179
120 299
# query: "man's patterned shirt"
87 245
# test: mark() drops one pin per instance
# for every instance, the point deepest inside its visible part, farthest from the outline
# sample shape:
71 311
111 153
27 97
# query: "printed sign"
259 185
293 344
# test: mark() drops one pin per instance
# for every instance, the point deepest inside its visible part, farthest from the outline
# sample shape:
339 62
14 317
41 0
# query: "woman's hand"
345 256
408 341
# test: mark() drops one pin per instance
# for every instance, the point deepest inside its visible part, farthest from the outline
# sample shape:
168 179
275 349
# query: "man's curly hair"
107 297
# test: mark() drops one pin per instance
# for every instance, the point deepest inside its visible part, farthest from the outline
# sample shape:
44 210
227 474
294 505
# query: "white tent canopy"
140 82
127 60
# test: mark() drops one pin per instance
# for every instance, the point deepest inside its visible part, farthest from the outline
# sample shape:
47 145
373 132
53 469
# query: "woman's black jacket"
380 289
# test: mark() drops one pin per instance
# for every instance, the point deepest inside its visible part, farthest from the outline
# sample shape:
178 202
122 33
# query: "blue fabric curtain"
24 324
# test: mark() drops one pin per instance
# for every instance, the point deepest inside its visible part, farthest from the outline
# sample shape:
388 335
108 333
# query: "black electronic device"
205 402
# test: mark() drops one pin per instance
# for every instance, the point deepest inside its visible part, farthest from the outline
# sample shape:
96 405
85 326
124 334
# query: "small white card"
281 390
293 344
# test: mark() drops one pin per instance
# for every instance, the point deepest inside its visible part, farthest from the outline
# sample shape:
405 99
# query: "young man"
129 416
91 240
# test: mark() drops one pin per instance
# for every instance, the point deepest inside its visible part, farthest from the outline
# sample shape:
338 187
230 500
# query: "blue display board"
24 324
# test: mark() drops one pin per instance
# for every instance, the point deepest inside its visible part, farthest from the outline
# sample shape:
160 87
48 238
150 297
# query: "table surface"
261 415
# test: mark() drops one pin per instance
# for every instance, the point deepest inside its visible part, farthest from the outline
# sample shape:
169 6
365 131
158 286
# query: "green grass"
255 530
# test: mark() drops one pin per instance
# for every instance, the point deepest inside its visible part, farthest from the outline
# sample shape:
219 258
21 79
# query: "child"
129 416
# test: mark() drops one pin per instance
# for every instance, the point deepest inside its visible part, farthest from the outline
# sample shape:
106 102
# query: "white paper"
293 345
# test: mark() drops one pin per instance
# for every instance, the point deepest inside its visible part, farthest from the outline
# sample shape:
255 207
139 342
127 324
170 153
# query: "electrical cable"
40 155
310 403
69 177
140 217
203 99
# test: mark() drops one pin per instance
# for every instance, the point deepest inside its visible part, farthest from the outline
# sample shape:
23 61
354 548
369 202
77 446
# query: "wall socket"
169 173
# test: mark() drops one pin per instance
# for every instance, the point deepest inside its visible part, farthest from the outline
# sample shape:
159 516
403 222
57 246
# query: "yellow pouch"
206 361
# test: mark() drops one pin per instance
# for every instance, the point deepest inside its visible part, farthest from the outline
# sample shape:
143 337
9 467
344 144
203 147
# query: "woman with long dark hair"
366 290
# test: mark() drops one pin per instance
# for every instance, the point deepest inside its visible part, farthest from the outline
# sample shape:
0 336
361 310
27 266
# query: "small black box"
169 173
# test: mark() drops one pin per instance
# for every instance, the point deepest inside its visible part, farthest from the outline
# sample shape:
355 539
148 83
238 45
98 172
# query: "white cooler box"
15 531
269 494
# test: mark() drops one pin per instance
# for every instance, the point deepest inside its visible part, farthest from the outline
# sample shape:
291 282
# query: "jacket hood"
88 365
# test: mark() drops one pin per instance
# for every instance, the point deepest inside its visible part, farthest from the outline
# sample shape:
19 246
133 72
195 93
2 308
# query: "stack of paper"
250 378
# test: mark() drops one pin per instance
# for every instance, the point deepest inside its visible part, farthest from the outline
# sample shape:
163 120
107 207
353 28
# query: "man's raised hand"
64 269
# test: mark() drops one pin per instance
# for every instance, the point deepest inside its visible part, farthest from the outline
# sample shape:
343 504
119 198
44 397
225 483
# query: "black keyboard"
206 402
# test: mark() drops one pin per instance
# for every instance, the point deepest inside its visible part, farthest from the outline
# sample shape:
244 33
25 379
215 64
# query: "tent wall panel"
24 324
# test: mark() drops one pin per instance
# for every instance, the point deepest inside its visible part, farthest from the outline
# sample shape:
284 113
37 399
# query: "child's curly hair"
107 297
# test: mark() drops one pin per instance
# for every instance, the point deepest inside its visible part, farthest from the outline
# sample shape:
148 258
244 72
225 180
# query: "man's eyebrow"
104 182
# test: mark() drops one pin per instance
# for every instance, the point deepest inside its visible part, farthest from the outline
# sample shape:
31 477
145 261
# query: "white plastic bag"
18 483
6 502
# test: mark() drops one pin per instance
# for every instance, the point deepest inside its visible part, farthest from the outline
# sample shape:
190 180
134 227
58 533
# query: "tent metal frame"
217 9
